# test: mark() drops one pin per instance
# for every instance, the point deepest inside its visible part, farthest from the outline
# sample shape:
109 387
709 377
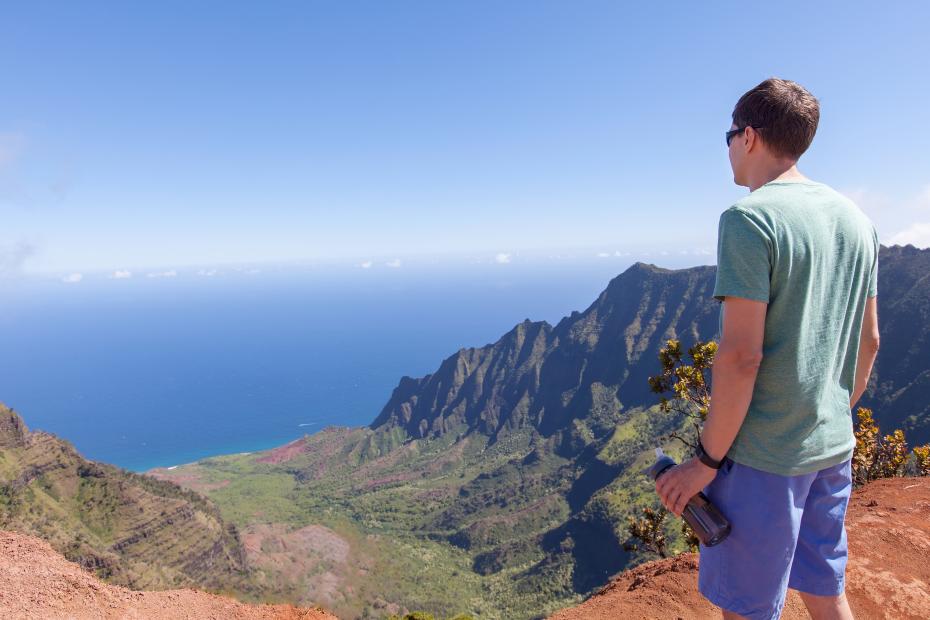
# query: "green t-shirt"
812 255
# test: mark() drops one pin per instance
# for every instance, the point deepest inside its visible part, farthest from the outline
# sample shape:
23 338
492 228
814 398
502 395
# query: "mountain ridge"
641 307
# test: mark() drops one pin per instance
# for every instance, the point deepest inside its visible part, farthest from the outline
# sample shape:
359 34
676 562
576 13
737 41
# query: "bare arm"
868 349
733 374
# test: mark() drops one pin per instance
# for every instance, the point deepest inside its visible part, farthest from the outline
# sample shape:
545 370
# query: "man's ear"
752 139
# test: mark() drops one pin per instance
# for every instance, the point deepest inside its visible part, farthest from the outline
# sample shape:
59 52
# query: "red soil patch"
286 452
314 556
887 576
36 582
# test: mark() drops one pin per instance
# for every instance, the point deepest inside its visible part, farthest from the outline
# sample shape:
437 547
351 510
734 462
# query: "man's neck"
776 171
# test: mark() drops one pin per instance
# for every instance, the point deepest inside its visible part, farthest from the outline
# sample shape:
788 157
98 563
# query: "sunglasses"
733 132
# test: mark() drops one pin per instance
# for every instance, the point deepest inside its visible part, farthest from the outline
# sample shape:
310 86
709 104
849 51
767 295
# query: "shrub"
922 455
648 531
883 457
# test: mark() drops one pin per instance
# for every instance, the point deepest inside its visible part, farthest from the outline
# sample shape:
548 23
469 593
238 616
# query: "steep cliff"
131 529
543 377
546 377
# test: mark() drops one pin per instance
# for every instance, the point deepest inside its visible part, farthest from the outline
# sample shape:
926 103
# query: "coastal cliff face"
128 528
545 378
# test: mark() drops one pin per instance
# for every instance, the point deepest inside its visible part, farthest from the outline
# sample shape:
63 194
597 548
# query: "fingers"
664 491
663 500
673 502
671 495
667 490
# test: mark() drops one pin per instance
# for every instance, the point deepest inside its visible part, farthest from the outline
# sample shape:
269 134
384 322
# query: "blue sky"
173 134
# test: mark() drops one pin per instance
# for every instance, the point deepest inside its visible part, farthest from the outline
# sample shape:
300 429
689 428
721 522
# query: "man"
797 274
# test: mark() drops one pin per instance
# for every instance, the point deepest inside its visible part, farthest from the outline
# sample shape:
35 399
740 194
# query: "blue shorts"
787 532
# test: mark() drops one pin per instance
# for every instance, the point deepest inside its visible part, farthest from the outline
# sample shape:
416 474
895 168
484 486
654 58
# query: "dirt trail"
38 582
887 576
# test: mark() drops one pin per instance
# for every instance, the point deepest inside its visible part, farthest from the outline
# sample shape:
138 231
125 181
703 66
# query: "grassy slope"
130 529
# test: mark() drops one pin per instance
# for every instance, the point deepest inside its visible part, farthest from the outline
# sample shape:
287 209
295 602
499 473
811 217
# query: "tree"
648 531
688 382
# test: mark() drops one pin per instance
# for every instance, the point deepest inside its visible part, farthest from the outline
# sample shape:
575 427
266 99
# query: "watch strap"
706 459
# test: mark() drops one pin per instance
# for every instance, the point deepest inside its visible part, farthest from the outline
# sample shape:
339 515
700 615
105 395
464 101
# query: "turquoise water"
150 372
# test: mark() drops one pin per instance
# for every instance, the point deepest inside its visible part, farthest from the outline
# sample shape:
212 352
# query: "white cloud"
906 215
393 263
207 272
917 234
163 274
73 278
603 254
619 253
502 258
366 265
120 274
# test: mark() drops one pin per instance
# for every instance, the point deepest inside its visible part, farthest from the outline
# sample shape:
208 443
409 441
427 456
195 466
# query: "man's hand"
682 482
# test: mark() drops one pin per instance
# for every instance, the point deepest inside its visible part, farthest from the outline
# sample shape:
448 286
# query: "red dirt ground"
36 582
887 576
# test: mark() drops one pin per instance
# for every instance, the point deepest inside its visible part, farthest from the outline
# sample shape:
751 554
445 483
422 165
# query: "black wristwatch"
705 458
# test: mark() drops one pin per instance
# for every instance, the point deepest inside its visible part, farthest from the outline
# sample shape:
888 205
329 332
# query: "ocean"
156 371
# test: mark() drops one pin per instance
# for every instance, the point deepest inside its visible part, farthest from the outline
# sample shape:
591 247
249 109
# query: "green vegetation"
884 457
130 529
444 525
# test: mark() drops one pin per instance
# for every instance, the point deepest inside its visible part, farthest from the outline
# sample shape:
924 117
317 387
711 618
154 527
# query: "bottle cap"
663 462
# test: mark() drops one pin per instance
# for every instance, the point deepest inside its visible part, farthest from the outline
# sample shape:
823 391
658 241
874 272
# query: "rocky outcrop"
12 429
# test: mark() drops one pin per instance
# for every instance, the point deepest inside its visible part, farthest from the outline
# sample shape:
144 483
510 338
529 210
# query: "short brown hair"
785 110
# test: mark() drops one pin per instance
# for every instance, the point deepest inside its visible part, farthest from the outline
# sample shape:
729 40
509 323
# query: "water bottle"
710 526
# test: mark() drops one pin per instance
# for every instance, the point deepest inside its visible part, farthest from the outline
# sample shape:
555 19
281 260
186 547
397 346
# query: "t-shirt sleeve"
873 275
744 263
